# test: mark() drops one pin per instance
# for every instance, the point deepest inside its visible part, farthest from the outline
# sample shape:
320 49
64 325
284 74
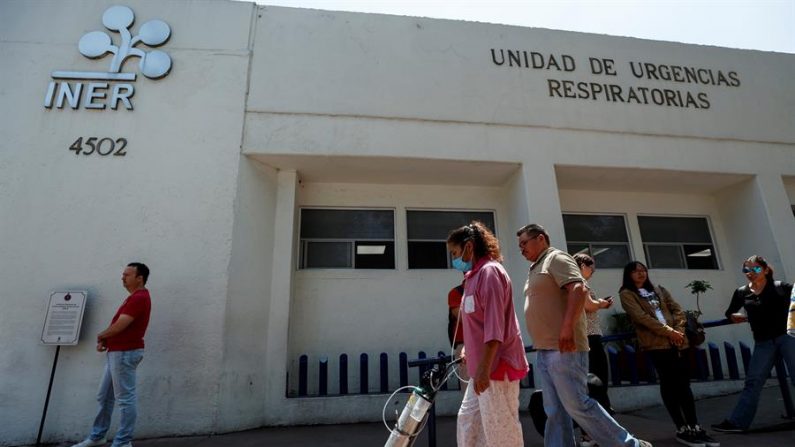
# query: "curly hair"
583 260
483 240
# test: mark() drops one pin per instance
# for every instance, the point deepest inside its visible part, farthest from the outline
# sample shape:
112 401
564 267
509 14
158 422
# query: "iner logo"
104 88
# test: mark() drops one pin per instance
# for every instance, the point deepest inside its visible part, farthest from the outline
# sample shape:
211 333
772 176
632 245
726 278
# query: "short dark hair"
533 230
140 270
583 260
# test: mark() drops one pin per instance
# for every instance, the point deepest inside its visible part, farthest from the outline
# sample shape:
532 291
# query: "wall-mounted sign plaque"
64 317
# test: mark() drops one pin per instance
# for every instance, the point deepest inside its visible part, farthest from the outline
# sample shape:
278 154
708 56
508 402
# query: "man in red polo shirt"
124 342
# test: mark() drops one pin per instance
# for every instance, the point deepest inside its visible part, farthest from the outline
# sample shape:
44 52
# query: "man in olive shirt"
555 294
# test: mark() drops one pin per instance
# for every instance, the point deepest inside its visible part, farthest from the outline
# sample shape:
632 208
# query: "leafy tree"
697 287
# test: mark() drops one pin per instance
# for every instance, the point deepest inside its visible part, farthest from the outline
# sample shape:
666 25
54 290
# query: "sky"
767 25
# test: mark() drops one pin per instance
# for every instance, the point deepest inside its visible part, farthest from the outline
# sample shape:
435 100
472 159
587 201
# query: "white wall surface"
775 203
352 64
789 184
244 377
420 96
337 311
516 199
630 204
383 90
742 208
74 221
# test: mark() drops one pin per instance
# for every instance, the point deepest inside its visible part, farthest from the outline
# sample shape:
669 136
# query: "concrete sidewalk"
652 424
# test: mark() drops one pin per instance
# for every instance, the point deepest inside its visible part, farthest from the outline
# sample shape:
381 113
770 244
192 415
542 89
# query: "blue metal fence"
628 367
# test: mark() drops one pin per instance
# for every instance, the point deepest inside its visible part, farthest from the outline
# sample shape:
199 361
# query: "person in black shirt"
766 304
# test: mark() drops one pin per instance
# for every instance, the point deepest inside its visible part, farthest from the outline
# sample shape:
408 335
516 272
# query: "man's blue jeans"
762 362
118 384
563 379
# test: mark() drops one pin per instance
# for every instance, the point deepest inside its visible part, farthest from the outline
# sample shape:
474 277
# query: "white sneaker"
88 442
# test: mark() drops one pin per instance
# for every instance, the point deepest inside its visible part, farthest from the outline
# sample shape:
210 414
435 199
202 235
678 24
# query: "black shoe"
687 436
727 427
702 436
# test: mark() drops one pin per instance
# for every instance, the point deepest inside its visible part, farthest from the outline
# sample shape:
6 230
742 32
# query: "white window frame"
302 246
711 231
443 210
590 244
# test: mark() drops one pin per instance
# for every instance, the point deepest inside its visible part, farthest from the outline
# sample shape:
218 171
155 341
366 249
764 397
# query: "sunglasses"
756 269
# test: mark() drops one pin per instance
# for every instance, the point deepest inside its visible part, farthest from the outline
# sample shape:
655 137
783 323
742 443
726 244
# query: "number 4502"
101 146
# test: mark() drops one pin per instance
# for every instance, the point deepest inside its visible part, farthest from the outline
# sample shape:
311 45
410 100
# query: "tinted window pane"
375 255
578 248
436 225
427 255
588 228
328 255
664 256
347 224
700 257
427 232
610 256
674 229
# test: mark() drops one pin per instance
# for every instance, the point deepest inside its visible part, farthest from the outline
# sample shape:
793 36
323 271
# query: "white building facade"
289 177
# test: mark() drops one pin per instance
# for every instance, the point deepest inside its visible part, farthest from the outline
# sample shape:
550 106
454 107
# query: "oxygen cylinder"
410 421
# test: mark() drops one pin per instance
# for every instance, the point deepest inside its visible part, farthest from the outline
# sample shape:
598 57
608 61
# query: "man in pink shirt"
493 348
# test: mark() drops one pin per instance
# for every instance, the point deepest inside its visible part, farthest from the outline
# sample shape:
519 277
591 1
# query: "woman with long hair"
493 348
766 303
660 325
597 359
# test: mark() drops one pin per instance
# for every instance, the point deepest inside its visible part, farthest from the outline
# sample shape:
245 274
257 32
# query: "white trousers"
492 418
463 374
